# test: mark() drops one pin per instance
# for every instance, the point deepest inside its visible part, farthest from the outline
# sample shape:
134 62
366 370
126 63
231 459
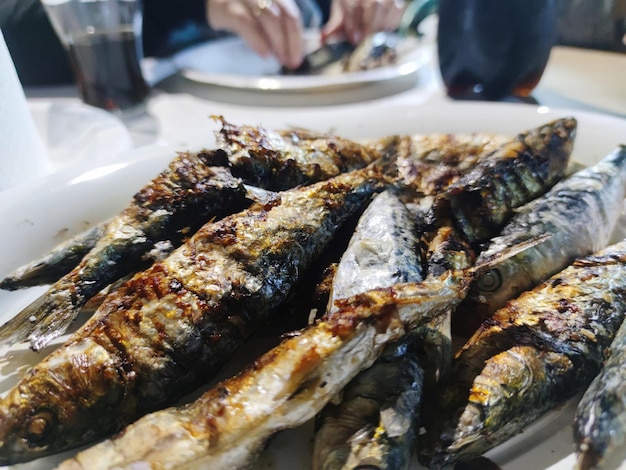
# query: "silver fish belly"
374 423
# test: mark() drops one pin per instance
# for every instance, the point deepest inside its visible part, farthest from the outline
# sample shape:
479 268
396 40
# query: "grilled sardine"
600 420
532 355
579 213
196 188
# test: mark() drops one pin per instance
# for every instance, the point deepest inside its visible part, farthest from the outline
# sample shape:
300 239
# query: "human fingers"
267 26
374 17
281 23
394 12
238 17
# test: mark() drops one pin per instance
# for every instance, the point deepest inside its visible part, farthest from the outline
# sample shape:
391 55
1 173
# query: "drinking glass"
103 42
491 49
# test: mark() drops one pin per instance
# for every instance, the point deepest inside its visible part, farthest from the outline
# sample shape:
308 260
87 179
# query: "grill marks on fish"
195 188
283 159
484 198
181 198
171 326
313 367
390 312
579 213
532 355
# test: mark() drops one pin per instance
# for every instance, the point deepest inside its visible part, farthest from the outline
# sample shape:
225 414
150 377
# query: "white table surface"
577 79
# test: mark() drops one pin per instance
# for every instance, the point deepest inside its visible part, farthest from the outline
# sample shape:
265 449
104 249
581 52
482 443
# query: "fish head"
490 291
52 409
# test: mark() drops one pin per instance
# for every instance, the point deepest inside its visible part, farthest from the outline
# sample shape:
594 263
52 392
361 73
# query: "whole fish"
169 328
196 188
484 198
374 422
531 356
228 425
580 213
600 420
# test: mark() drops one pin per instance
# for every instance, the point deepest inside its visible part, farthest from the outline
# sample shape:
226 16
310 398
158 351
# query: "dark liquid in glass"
107 69
491 49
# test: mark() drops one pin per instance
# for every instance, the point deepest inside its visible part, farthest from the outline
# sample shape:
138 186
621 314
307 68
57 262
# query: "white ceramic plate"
37 216
229 62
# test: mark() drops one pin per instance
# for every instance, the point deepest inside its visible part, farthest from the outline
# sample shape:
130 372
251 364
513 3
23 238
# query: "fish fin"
506 253
40 322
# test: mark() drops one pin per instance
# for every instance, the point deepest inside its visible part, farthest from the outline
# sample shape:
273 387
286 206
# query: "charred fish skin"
580 213
315 365
600 419
168 328
375 424
56 263
483 199
375 421
189 193
567 322
182 197
278 160
430 163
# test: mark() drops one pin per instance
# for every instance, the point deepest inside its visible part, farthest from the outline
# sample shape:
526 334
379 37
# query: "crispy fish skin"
56 263
183 196
580 213
600 419
282 159
484 198
375 424
181 199
313 367
430 163
532 355
170 327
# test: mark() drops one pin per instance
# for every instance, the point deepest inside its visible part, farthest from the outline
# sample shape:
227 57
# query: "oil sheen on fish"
484 198
313 367
374 421
600 420
166 330
189 193
531 356
579 213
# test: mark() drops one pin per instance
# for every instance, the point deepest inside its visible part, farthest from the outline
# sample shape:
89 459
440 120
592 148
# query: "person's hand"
267 26
355 19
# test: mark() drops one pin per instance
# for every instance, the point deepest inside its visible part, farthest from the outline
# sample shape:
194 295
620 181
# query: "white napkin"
23 156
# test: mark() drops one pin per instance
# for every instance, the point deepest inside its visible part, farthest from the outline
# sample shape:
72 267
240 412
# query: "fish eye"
39 426
490 281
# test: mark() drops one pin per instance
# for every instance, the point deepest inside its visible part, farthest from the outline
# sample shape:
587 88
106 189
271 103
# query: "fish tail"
22 325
